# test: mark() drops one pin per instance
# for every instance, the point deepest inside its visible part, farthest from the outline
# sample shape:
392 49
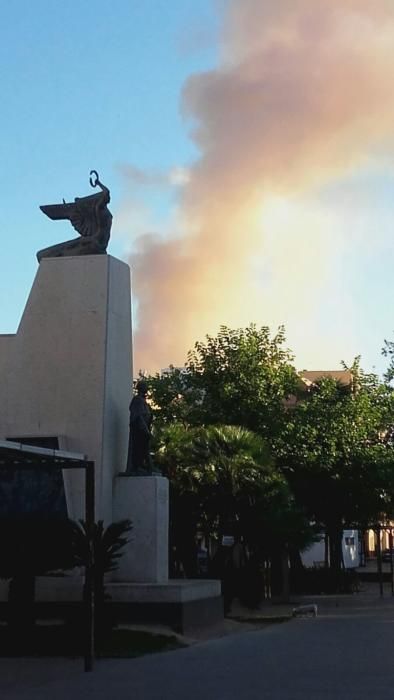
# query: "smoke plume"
302 96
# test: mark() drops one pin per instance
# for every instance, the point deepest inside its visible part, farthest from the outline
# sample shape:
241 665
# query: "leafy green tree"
335 455
173 397
240 377
333 444
243 377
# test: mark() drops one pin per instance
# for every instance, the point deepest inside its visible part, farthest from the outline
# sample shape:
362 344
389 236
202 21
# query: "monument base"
184 605
144 501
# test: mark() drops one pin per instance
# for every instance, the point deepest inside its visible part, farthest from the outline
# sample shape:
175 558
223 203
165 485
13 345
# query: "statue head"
141 387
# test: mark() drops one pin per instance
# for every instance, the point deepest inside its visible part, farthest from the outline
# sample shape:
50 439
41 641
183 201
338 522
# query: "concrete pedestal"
183 605
144 500
67 371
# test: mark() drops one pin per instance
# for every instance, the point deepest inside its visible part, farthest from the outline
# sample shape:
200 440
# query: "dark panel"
33 492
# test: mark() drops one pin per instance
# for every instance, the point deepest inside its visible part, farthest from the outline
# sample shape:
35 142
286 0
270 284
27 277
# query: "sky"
249 149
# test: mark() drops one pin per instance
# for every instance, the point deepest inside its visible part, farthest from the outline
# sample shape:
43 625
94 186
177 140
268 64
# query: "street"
344 653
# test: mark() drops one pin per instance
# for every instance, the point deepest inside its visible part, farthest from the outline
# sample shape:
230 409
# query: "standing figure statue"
139 461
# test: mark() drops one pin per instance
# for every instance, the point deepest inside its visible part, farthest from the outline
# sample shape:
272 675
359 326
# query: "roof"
18 454
344 376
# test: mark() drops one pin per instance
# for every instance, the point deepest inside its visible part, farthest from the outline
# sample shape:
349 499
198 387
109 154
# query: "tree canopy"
240 377
227 477
330 444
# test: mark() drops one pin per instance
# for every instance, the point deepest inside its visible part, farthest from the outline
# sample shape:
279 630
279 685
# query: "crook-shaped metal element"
95 182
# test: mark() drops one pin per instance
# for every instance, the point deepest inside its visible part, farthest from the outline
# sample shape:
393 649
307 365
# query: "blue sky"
87 85
98 85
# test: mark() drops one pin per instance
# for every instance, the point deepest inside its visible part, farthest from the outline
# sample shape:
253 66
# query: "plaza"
344 653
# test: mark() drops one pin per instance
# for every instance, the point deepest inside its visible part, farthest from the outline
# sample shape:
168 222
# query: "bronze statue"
89 216
139 461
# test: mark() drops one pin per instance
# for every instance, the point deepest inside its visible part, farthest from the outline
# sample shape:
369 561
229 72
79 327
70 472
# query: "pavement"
345 653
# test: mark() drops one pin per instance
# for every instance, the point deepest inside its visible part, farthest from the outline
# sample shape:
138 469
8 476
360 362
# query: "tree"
173 397
332 444
335 455
224 481
221 465
240 377
108 543
388 351
243 377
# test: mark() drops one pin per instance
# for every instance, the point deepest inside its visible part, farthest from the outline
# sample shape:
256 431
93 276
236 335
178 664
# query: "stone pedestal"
184 605
144 500
67 371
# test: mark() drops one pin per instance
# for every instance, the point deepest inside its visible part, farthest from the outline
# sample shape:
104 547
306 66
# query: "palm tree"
218 474
223 480
234 464
107 545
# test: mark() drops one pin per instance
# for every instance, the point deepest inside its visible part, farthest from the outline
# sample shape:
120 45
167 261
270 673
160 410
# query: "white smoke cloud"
303 95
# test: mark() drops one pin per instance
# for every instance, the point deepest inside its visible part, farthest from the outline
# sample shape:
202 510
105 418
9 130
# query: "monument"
139 461
65 377
89 216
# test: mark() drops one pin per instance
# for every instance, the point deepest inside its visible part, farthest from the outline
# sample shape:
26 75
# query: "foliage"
173 397
388 351
107 544
335 454
221 465
227 477
240 377
36 546
330 445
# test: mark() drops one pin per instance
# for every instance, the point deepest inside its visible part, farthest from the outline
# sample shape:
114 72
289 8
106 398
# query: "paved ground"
343 654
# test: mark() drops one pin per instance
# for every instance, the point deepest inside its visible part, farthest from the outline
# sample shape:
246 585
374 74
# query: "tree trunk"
285 575
326 551
336 559
296 569
295 559
277 574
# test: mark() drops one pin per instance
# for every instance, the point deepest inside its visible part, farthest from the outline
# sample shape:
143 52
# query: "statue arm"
100 209
104 189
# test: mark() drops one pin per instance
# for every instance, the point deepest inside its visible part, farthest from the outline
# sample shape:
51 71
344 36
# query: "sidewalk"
343 654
